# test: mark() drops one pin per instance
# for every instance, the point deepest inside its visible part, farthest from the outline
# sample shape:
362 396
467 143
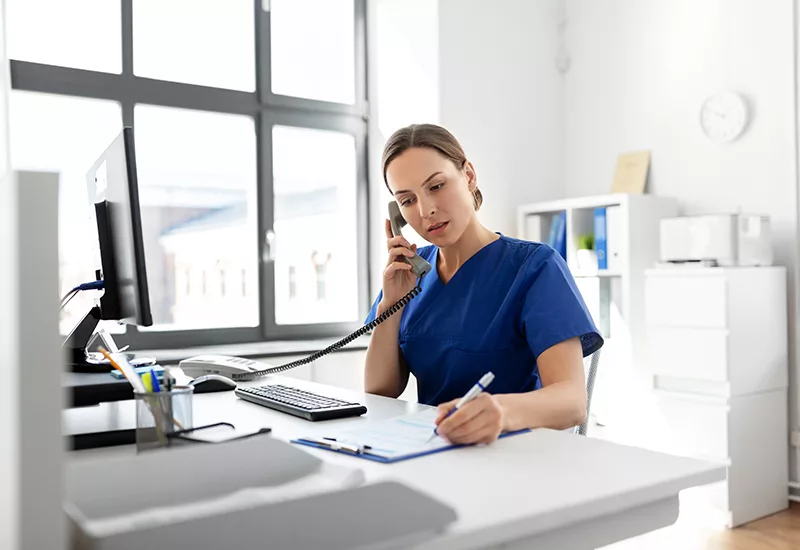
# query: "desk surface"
528 485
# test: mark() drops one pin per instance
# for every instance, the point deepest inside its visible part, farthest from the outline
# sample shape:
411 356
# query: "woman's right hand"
398 280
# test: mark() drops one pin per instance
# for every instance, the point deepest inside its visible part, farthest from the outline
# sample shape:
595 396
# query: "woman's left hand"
479 421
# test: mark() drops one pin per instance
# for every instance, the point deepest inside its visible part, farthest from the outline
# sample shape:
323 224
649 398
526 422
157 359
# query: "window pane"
84 34
209 43
197 177
66 135
313 49
316 262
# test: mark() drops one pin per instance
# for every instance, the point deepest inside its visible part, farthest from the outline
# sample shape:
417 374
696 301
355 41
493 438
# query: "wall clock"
724 116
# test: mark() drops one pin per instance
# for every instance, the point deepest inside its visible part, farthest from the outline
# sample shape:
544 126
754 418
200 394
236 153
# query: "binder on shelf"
600 238
558 234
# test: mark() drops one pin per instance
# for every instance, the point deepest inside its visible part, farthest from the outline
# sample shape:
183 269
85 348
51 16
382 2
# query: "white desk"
544 489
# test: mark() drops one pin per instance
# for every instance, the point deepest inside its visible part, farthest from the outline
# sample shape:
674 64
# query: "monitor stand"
92 384
80 359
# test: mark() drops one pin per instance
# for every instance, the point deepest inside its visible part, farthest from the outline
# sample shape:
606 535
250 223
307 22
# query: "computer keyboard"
310 406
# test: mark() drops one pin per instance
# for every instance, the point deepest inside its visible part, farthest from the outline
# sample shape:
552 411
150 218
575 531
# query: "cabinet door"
695 426
700 354
686 301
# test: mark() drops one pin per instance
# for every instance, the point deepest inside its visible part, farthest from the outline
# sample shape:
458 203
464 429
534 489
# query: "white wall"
503 98
9 426
403 88
640 70
638 73
438 62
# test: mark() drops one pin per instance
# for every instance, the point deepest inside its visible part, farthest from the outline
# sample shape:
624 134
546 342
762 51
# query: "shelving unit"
577 273
616 297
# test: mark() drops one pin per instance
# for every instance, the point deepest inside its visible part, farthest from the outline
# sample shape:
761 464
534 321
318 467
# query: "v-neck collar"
433 288
435 262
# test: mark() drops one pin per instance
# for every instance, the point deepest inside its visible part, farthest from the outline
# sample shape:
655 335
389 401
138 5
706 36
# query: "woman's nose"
426 209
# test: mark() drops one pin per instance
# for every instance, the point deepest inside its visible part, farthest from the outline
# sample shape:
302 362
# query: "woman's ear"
472 177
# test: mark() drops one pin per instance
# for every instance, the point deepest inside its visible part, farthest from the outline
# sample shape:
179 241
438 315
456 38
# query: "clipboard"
368 453
388 441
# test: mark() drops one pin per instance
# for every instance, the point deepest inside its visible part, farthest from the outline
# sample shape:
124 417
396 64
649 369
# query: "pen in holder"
159 414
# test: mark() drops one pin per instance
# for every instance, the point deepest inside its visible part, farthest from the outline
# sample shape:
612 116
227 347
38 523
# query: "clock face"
724 116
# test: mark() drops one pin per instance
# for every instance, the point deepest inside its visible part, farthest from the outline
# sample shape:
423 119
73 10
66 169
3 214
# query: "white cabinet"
717 350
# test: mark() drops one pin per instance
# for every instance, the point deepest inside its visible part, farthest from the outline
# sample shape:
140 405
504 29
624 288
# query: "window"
292 282
173 41
320 281
322 68
320 262
84 34
197 174
315 208
247 162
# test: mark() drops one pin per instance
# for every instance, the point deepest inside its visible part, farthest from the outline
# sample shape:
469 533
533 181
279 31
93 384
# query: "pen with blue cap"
473 392
154 378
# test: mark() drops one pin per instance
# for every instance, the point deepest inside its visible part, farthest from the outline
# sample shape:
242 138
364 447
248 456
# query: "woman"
490 303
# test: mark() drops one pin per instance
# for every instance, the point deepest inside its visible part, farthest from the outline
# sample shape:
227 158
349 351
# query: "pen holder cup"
159 414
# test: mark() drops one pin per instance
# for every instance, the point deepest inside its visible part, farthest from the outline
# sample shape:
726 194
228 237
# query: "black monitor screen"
114 193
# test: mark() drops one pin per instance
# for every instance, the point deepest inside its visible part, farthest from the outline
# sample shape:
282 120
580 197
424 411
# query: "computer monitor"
120 261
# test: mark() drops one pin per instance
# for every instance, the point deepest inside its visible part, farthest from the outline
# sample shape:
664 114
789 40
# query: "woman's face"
435 197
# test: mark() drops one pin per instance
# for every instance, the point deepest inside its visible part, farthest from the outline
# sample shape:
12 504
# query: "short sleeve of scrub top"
508 303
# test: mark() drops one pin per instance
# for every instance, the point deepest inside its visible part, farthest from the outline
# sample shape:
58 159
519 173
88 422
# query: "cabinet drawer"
688 353
681 301
695 426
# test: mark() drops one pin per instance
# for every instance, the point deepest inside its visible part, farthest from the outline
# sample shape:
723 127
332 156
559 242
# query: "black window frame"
266 109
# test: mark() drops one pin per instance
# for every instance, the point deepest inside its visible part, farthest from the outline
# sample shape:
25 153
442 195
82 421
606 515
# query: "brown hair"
431 136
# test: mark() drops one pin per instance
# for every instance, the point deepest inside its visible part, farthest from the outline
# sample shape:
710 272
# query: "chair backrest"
590 376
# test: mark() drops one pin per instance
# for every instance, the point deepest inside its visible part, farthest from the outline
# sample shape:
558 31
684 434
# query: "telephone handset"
418 266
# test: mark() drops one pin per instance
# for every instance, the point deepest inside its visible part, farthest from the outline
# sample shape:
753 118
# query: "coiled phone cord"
397 306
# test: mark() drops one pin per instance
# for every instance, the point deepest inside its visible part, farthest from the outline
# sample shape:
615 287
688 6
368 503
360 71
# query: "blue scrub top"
504 306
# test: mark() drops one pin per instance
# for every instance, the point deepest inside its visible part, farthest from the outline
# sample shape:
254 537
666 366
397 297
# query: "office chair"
593 361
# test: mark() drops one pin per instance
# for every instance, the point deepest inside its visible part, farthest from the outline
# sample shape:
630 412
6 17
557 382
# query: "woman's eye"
406 202
437 186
